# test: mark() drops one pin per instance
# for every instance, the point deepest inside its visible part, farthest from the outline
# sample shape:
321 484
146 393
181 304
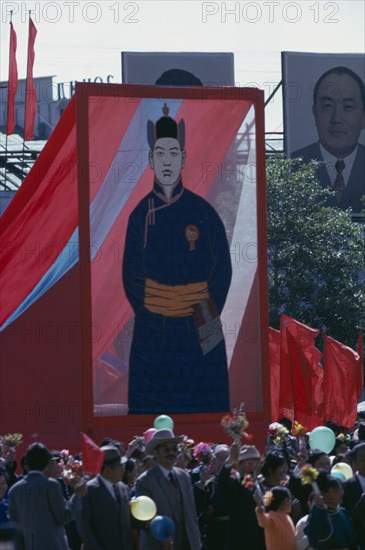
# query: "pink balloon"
148 434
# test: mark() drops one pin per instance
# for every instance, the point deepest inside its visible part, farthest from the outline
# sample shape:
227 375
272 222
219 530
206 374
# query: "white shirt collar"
330 161
165 471
109 485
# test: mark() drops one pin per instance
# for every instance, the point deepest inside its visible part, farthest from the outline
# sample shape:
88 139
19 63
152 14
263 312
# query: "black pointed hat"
166 127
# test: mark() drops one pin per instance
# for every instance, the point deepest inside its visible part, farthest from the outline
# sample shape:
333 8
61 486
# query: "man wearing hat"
105 515
176 275
244 531
171 490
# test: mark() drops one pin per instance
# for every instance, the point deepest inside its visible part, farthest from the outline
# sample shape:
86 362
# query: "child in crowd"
274 518
329 525
301 537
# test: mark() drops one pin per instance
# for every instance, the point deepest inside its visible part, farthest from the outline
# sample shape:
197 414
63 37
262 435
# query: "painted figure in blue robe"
176 274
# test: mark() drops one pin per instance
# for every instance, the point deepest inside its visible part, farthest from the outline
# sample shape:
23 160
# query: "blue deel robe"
168 372
328 529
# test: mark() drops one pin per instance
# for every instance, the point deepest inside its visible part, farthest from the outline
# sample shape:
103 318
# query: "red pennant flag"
307 374
92 455
12 82
301 376
360 351
286 394
274 354
30 91
341 367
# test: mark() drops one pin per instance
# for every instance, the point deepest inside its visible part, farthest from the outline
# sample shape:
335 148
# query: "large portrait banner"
324 120
172 248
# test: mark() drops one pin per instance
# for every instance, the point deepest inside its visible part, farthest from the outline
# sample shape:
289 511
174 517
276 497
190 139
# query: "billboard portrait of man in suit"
339 114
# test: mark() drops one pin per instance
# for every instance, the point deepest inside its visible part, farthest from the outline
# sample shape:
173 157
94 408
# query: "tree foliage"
316 253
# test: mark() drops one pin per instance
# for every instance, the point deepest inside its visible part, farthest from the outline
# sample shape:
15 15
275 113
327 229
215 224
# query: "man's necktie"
339 184
116 494
172 479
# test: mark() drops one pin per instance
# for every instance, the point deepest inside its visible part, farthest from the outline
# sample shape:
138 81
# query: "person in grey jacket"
37 505
172 491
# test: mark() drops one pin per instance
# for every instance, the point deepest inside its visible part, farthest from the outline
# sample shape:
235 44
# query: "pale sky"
82 39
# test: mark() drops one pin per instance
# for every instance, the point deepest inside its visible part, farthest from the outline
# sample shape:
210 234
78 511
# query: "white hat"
165 435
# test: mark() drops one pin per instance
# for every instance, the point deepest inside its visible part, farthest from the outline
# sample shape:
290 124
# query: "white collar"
109 485
166 472
330 161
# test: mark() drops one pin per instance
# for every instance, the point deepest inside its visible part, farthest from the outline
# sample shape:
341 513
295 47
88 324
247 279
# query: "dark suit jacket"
354 503
102 525
153 484
37 504
355 187
244 531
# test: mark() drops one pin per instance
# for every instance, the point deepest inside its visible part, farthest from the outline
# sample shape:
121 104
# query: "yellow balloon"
344 468
143 508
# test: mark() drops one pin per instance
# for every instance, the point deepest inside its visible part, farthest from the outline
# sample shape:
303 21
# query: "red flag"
360 351
30 91
274 354
307 374
301 376
92 455
12 82
341 365
286 395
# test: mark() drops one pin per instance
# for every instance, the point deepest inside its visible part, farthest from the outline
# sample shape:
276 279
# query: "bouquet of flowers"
204 453
186 444
248 482
234 425
11 440
278 433
298 430
308 474
139 442
72 468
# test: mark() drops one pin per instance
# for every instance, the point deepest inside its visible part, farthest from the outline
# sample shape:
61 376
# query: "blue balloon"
162 528
339 475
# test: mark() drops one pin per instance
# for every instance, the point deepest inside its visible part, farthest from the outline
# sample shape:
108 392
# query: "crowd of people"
218 496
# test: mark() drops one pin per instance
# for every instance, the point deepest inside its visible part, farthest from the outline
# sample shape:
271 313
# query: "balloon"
163 421
143 508
338 474
343 468
162 528
148 434
322 438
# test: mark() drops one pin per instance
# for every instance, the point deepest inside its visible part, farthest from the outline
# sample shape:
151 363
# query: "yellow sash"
174 300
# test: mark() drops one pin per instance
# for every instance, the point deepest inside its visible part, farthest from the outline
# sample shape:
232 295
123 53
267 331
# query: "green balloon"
163 421
322 438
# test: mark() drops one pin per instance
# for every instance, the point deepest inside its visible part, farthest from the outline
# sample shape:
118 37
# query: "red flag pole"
12 80
12 87
30 91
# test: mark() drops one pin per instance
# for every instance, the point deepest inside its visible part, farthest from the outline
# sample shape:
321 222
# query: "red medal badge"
191 233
